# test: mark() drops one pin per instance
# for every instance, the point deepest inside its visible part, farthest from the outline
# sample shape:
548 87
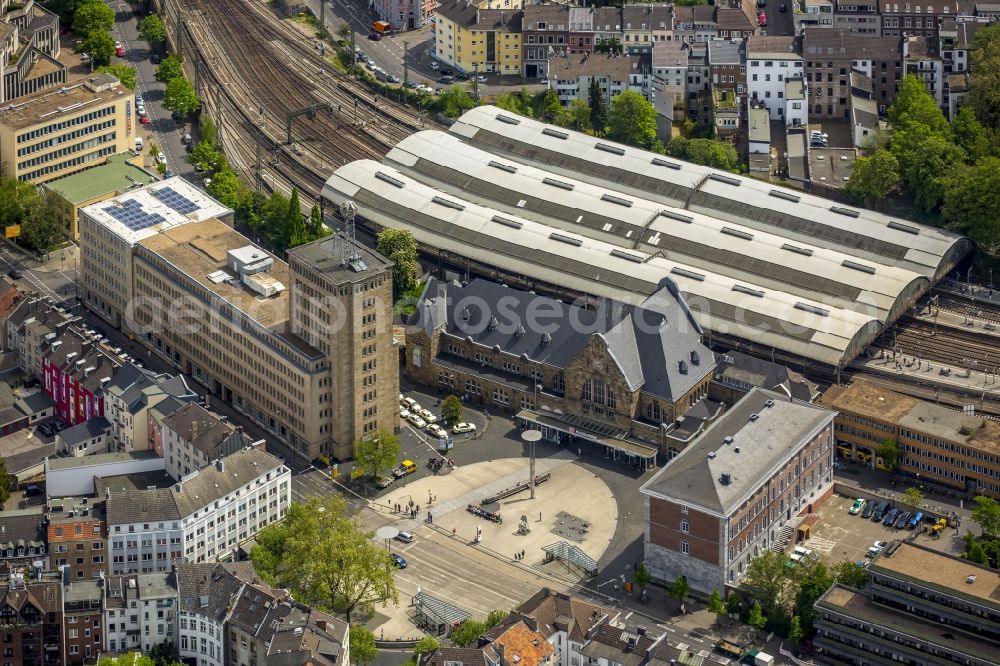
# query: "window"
684 526
685 548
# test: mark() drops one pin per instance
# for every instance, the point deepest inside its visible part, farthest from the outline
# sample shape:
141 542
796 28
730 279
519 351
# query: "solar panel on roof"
132 215
172 198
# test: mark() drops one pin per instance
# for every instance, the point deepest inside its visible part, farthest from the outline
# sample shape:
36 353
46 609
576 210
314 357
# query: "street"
779 22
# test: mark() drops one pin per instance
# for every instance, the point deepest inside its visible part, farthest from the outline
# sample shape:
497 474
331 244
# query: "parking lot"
839 535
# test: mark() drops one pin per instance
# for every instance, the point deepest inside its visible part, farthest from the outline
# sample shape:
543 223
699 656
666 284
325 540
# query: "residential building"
958 93
727 66
83 637
936 443
22 538
922 60
830 169
87 438
29 326
114 176
645 25
31 619
77 533
308 637
650 373
55 132
955 39
733 23
513 643
18 412
698 83
316 379
738 373
154 422
29 48
612 644
73 477
900 18
987 12
725 498
796 103
726 115
670 64
770 63
202 518
140 611
817 14
571 76
567 621
404 14
920 606
193 437
12 297
695 23
607 29
129 396
75 372
473 38
860 17
864 120
759 130
831 54
545 34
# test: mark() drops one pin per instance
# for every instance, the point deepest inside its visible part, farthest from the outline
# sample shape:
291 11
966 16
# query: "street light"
531 436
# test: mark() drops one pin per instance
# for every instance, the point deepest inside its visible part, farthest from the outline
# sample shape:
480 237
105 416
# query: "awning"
590 430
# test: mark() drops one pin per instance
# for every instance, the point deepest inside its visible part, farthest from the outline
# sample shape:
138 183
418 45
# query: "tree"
972 202
851 574
888 451
974 552
796 634
47 225
100 46
632 120
363 648
576 116
709 152
169 68
4 482
512 102
181 98
598 107
495 617
643 578
316 227
152 30
225 186
131 659
971 136
984 76
734 604
912 498
915 104
987 515
399 247
206 155
454 101
296 226
814 583
467 633
162 654
926 160
327 557
122 72
716 606
679 590
377 452
767 579
757 619
873 177
208 131
451 409
92 17
551 106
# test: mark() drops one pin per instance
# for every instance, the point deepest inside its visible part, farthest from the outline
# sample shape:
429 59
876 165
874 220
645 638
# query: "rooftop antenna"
346 246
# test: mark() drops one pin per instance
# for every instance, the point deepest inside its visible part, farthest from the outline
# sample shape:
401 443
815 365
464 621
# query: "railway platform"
979 386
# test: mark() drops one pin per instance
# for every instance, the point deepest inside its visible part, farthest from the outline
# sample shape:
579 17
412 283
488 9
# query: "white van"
138 144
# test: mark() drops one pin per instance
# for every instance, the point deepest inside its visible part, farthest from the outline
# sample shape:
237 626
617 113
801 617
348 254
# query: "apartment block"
193 438
139 611
831 55
88 438
860 17
940 444
474 38
567 622
920 606
56 132
771 62
31 619
76 370
83 636
22 537
77 535
202 518
915 18
571 76
727 67
724 499
129 396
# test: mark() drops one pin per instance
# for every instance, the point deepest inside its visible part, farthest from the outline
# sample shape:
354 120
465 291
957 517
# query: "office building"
725 499
29 48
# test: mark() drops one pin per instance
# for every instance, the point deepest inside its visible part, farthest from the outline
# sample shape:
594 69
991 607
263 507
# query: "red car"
143 120
762 19
119 49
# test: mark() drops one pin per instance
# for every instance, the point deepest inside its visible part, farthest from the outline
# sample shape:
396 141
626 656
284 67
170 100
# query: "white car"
161 158
427 415
409 402
416 421
138 99
436 430
876 548
404 413
140 108
435 66
464 427
481 79
371 65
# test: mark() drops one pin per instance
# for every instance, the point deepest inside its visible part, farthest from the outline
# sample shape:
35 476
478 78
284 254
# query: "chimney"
194 431
321 624
220 465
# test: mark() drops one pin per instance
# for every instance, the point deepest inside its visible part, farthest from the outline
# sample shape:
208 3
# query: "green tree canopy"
971 136
814 583
48 225
512 102
912 498
873 177
716 606
454 101
926 160
152 30
122 72
984 76
972 202
768 580
297 234
206 155
576 116
632 120
327 557
757 619
363 648
100 46
888 451
4 482
796 633
598 107
377 453
551 106
181 98
128 659
495 617
226 186
709 152
987 515
734 603
169 68
316 226
974 552
451 409
467 633
399 247
851 574
915 104
93 16
679 590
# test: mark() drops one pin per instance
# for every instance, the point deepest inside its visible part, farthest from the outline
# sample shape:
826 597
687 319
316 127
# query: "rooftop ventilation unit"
754 416
677 216
797 250
666 163
847 263
569 240
728 180
608 148
683 272
507 119
381 175
805 307
899 226
738 233
548 131
509 168
616 200
507 222
728 439
840 210
725 479
561 184
748 291
626 256
769 403
794 198
447 203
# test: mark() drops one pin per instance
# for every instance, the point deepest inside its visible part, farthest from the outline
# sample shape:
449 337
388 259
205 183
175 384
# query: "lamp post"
531 436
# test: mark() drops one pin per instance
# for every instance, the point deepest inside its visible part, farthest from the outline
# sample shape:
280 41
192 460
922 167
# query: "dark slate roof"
26 459
207 589
209 432
257 611
168 406
46 596
612 643
759 372
35 403
464 656
86 430
25 527
656 345
552 611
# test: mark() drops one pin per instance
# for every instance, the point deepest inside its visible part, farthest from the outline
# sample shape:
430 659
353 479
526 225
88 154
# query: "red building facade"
75 372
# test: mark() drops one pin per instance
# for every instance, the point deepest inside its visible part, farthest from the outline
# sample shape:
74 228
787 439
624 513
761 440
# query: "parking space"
839 535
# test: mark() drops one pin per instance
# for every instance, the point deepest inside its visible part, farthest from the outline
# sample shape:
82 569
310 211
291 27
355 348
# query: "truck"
730 649
755 657
382 27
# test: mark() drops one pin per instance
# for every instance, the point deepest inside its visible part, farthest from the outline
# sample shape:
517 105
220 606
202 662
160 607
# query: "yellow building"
60 131
484 37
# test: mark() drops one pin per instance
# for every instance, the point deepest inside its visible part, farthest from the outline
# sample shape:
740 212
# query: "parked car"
447 72
436 431
428 416
890 517
879 513
782 8
464 427
435 66
416 421
144 120
481 79
404 413
155 59
398 560
405 537
876 548
119 49
800 553
902 519
15 274
392 78
446 79
858 506
915 520
410 403
33 490
45 429
375 36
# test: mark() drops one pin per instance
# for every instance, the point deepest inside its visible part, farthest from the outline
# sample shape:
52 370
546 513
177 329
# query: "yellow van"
408 467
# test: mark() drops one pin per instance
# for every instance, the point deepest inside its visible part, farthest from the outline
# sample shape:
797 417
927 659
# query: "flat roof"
831 166
739 451
521 246
866 399
950 573
806 217
327 255
760 126
147 211
100 459
53 104
113 177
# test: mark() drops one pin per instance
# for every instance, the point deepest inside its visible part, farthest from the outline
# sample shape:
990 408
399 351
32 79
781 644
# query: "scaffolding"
567 552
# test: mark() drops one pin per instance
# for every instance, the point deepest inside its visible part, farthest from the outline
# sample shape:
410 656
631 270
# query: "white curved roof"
728 248
745 309
808 218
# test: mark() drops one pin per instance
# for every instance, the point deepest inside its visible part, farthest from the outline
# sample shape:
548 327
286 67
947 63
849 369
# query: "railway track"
951 347
956 304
